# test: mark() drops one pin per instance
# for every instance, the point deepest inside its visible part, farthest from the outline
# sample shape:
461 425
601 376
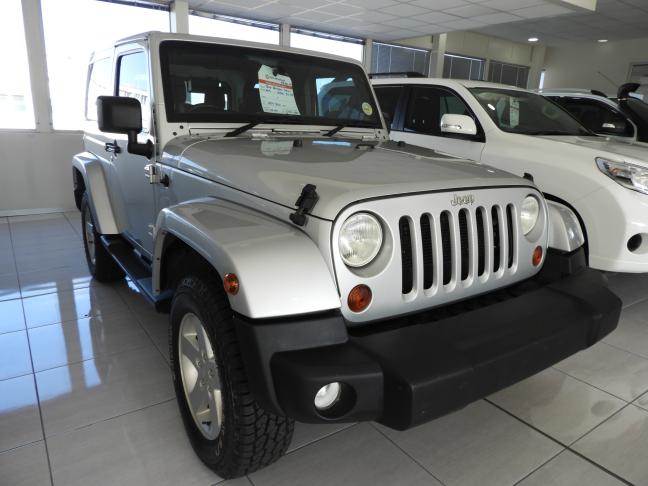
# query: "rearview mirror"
119 114
458 124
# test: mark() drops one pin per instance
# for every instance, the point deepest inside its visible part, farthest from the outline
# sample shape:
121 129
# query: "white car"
605 182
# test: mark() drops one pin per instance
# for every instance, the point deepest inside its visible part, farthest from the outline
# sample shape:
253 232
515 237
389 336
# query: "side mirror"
618 127
118 114
458 124
388 120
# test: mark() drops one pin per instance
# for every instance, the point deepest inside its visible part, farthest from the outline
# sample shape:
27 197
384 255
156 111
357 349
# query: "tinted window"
428 105
134 82
596 116
99 84
388 97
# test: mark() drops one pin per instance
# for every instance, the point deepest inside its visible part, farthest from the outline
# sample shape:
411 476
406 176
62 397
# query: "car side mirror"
119 114
458 124
388 120
618 127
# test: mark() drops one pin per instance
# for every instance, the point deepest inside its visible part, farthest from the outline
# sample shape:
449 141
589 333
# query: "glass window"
388 58
252 85
388 97
426 107
526 113
134 82
597 116
16 109
512 74
70 40
461 67
99 84
329 43
231 28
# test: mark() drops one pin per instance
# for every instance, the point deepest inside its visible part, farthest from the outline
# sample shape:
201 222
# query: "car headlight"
529 214
360 239
628 175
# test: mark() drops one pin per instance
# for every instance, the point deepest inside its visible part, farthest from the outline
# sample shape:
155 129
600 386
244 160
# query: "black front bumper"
407 371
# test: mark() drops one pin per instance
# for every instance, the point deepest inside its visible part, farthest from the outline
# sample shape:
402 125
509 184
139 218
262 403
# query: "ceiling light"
533 39
602 41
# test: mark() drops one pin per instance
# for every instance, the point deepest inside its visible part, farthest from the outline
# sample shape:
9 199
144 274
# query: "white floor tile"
611 369
558 405
631 333
568 469
100 300
25 466
359 455
19 418
40 261
630 287
11 316
477 445
80 394
15 359
9 287
148 447
53 280
620 444
74 341
308 433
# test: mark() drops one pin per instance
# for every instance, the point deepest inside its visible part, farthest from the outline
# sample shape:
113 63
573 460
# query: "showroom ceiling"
388 19
613 20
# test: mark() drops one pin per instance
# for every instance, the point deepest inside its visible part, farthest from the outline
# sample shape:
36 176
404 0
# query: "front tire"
230 432
101 265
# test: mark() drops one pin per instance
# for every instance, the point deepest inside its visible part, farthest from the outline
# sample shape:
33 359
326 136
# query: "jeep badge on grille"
461 200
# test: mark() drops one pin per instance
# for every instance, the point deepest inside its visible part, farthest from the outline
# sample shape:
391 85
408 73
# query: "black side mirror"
118 114
388 120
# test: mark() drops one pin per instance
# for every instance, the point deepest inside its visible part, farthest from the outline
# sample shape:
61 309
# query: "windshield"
527 113
215 83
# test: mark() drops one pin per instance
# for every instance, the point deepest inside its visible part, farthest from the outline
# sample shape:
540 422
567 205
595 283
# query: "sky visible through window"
230 30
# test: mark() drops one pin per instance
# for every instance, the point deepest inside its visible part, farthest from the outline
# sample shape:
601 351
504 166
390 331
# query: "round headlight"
529 214
360 239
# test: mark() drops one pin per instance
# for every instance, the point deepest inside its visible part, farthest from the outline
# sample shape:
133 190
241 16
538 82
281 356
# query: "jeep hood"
344 171
618 150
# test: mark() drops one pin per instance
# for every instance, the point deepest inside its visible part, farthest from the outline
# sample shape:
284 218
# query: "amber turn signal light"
537 256
359 298
231 283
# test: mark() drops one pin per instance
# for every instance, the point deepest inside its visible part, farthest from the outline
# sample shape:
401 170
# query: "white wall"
587 65
36 171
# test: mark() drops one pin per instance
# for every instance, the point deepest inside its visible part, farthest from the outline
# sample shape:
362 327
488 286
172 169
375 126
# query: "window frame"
125 50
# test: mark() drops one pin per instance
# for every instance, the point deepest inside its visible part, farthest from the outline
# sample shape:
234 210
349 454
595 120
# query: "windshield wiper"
330 133
241 129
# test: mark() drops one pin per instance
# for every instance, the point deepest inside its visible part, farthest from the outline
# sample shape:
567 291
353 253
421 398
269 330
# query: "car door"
136 193
422 122
597 116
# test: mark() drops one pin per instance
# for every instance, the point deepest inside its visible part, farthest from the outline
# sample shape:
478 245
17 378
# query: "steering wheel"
203 107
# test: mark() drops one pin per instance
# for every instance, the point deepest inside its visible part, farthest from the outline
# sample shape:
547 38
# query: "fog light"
537 256
359 298
634 243
327 396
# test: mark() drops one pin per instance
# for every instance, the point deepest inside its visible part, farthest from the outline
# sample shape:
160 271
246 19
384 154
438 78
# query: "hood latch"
305 203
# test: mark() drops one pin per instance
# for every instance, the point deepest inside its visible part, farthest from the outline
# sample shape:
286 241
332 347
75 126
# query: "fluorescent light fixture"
602 41
533 39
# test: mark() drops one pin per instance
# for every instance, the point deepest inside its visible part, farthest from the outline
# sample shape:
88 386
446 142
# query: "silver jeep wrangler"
313 270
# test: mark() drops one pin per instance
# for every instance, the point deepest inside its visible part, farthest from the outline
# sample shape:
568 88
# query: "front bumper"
407 371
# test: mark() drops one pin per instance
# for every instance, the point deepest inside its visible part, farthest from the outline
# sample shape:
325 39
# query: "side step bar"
136 269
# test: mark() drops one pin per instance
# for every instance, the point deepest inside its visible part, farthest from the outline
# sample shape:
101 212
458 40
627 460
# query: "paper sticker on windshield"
366 107
276 92
274 147
514 113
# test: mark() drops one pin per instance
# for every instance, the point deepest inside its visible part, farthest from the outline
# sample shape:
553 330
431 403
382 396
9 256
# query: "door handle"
112 147
155 175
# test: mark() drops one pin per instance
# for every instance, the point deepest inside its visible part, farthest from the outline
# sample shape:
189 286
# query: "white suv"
604 181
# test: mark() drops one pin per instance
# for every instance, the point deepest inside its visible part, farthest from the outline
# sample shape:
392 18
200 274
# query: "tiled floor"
86 397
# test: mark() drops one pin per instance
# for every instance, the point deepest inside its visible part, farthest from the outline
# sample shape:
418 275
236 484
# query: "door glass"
99 84
134 82
597 117
423 113
388 96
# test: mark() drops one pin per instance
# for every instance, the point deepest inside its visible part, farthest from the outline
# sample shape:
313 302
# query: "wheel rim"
89 236
200 378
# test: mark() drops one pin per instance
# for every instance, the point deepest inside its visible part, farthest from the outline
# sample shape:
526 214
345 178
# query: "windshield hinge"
305 203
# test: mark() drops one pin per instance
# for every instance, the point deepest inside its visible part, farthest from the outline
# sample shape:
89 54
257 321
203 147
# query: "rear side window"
134 82
388 97
99 84
595 115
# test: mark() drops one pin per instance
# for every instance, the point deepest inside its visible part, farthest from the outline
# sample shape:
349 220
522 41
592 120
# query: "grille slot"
428 255
481 243
497 241
509 230
446 247
465 243
406 254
